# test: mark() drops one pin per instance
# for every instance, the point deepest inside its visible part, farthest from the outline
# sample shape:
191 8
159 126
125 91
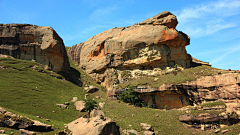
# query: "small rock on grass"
216 131
224 131
2 131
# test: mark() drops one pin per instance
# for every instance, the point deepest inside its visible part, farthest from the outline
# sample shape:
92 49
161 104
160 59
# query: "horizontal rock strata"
153 43
31 42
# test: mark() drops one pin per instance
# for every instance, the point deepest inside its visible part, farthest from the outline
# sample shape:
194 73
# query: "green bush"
132 97
90 105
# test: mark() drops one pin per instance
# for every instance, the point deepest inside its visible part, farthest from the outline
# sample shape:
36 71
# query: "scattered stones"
216 131
80 105
132 115
39 117
2 131
62 106
225 131
156 79
148 133
47 119
146 126
97 97
66 103
129 131
26 132
74 99
101 104
157 115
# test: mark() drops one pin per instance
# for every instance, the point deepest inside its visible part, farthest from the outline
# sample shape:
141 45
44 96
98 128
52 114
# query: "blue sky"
213 25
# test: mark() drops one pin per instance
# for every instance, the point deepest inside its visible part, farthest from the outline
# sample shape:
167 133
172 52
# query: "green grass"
35 92
213 104
166 123
189 74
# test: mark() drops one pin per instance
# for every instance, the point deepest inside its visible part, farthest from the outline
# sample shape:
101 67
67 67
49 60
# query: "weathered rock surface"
130 131
148 133
153 43
96 112
146 126
101 104
26 132
224 87
21 122
95 126
80 105
62 105
31 42
206 121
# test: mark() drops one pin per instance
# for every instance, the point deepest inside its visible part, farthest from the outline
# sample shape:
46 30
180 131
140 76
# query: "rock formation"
8 119
153 43
93 126
31 42
206 121
224 87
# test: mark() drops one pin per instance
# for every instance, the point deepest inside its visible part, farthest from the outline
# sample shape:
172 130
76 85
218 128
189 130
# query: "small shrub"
132 97
90 105
165 107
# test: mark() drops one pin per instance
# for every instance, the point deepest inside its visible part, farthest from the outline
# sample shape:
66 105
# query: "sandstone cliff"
31 42
153 43
225 88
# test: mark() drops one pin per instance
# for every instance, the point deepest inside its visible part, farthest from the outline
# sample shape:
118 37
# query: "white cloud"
227 52
206 19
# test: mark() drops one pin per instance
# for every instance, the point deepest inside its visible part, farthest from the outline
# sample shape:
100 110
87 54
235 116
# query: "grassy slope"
20 95
28 92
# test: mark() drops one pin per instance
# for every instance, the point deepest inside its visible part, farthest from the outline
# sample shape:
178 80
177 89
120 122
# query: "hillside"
35 92
32 92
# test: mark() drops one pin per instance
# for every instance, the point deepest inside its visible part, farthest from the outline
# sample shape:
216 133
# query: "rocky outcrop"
8 119
93 126
206 121
31 42
224 87
153 43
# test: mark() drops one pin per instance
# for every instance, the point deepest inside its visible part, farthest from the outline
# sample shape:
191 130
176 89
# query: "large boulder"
80 105
93 126
153 43
31 42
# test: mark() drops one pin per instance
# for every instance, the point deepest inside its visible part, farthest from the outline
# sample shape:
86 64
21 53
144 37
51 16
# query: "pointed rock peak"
165 18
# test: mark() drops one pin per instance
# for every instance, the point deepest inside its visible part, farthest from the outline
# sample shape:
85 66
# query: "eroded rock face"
153 43
224 87
206 121
31 42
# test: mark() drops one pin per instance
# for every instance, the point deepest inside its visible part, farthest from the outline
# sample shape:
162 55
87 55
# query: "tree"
132 97
90 105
